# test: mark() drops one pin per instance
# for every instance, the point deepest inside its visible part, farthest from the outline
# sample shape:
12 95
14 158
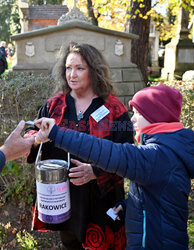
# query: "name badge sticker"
100 113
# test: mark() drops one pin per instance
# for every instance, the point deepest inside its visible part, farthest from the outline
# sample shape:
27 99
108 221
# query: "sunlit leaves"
111 14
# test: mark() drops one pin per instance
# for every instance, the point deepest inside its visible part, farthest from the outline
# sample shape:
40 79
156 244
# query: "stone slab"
125 89
130 75
186 56
116 75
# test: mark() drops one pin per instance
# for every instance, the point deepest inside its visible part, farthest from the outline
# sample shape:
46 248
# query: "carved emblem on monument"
119 48
30 49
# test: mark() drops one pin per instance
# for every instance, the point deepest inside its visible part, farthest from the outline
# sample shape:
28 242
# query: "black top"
88 202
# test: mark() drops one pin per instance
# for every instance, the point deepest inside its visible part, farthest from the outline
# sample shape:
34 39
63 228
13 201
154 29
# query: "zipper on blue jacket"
141 138
144 229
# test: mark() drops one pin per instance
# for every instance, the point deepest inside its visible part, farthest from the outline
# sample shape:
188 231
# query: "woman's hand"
45 125
81 174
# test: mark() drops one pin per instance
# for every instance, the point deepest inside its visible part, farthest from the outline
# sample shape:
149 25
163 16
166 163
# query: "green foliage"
5 13
15 26
21 95
21 239
18 182
2 234
9 19
27 241
190 227
190 230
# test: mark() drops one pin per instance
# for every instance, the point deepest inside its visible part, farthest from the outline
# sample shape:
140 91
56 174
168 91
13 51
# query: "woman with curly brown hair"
86 103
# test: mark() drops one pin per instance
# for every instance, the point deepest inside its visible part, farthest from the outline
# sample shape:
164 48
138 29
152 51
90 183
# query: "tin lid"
51 171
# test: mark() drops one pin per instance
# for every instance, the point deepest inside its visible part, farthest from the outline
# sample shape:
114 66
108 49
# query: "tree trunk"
141 27
91 13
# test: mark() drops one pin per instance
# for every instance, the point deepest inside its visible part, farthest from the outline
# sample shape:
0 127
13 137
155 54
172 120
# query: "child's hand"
117 210
120 209
41 136
45 125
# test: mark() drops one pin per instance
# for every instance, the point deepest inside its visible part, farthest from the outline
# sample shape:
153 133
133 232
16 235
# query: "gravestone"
37 50
185 48
153 49
188 75
179 53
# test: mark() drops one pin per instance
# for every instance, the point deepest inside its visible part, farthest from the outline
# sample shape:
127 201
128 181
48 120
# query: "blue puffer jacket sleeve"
2 160
112 157
159 173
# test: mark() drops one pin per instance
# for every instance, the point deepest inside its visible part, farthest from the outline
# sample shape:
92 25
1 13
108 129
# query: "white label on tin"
53 199
100 113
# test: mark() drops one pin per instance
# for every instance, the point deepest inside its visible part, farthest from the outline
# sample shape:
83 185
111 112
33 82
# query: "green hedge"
21 95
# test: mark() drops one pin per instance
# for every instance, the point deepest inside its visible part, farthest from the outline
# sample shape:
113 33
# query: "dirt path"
15 220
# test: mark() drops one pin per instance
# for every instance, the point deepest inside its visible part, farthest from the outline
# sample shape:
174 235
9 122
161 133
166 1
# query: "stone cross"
190 26
75 3
184 32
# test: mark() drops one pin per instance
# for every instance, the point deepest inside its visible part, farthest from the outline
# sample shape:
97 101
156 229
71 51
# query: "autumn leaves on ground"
15 232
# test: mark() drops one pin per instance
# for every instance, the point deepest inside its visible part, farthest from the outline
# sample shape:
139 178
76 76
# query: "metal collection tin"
53 194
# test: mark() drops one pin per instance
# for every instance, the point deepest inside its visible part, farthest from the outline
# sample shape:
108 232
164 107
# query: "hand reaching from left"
81 174
15 145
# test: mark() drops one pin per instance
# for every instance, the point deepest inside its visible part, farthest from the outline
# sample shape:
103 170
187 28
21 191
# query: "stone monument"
37 50
153 49
179 53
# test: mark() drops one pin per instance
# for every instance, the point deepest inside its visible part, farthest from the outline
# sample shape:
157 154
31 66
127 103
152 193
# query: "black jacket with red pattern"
107 189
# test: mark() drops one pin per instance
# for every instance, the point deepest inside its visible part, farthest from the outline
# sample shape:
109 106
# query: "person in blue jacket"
160 169
15 146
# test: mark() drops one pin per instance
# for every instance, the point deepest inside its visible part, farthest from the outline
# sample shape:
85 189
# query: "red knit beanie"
158 104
